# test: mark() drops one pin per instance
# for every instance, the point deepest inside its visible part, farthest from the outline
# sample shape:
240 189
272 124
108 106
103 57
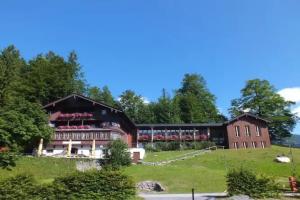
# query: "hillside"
205 173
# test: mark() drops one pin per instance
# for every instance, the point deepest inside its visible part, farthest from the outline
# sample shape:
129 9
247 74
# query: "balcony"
91 134
173 137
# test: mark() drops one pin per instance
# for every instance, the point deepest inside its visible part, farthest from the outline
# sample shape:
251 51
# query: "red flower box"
203 137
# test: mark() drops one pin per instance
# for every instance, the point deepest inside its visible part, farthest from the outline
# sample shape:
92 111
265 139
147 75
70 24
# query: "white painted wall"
84 150
87 151
140 150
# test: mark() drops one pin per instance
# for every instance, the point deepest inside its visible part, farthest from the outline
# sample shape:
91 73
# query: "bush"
118 154
175 145
202 145
245 182
99 185
18 187
149 148
108 185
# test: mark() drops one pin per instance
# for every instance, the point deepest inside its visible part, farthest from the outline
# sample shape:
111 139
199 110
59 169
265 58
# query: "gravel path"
208 196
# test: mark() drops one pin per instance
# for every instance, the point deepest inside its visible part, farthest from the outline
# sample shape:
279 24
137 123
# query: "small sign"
73 142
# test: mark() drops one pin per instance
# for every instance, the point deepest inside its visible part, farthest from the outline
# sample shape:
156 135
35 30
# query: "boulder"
150 186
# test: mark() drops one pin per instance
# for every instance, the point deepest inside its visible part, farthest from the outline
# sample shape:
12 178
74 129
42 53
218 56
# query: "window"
115 136
103 112
235 145
49 150
237 131
254 145
247 129
245 145
262 144
258 131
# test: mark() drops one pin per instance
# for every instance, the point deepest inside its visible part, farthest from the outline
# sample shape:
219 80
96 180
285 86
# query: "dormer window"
103 112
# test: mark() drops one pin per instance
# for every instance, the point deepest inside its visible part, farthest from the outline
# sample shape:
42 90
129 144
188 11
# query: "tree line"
26 85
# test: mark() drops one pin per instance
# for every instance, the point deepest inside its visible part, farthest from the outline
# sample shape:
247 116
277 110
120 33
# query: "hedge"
99 185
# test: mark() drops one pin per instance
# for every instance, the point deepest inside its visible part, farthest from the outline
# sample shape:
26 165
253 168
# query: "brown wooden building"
245 131
84 127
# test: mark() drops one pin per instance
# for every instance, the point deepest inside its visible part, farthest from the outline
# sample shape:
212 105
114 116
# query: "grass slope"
205 173
43 169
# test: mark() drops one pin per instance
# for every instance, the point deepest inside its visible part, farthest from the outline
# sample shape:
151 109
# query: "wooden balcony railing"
159 137
83 135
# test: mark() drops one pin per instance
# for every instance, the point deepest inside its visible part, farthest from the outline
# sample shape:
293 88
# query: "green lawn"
206 173
44 169
164 155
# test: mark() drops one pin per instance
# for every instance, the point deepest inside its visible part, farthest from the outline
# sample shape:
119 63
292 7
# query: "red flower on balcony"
188 137
174 137
144 137
203 137
158 137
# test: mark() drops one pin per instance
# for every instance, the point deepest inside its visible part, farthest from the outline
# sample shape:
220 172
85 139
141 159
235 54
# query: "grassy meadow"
205 173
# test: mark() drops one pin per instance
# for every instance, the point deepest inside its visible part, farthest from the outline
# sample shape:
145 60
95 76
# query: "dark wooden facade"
79 118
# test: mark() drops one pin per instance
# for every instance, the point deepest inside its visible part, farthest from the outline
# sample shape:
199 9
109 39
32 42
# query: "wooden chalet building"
84 127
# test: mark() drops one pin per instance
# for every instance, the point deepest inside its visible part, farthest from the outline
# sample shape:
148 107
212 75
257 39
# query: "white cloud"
145 100
290 94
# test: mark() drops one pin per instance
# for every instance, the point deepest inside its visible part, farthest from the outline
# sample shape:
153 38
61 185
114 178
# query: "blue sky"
150 45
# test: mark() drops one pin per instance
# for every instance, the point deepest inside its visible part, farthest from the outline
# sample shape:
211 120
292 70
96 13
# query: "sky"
149 45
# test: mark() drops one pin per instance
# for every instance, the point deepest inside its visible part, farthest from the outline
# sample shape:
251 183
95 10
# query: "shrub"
203 145
117 154
176 145
161 146
245 182
99 185
173 146
18 187
108 185
7 159
148 147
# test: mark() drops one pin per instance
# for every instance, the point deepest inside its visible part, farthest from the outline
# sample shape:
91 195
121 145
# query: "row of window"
82 136
246 145
149 131
247 131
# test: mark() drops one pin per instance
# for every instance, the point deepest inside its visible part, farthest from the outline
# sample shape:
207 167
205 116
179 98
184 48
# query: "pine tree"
196 103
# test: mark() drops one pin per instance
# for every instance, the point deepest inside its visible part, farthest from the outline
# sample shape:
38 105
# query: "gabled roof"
181 125
202 124
247 115
90 100
82 97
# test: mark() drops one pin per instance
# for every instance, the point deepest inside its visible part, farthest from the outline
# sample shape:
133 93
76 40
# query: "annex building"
84 127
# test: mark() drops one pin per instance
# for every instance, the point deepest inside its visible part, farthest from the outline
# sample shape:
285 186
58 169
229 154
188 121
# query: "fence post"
193 194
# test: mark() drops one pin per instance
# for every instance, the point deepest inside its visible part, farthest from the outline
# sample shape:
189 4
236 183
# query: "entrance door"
74 151
136 157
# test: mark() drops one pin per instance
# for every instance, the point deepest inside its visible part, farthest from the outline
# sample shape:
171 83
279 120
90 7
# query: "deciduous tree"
49 77
260 98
